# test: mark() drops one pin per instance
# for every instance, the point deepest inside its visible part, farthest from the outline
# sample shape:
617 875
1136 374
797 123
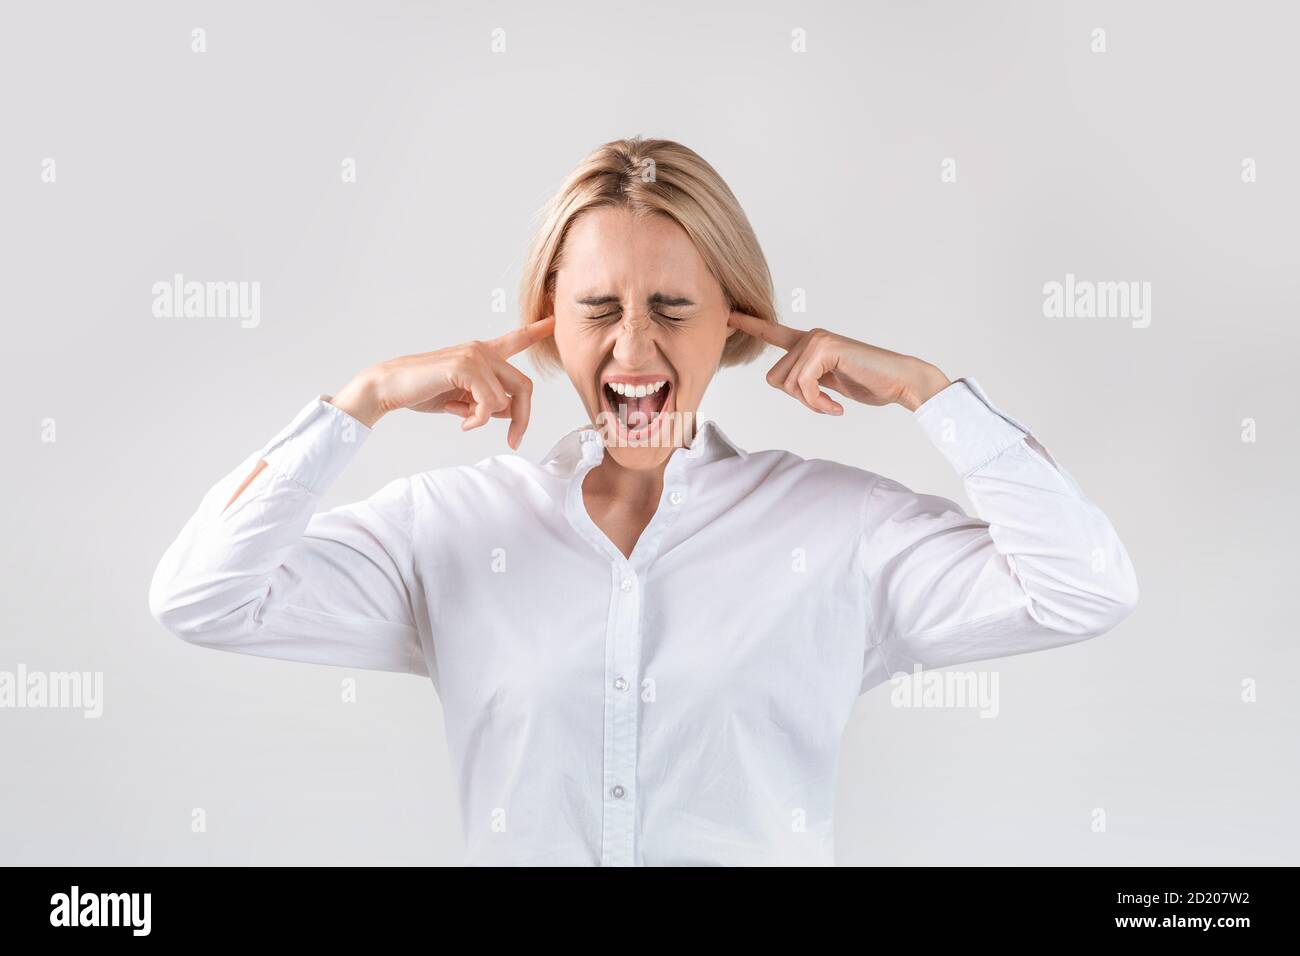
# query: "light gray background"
226 166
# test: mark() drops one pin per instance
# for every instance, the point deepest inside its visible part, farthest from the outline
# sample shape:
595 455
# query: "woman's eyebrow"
669 300
659 298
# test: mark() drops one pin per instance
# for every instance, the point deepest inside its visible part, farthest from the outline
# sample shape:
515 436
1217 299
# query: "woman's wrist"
924 382
360 398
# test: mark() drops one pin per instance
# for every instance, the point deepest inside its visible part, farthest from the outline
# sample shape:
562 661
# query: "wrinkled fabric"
683 706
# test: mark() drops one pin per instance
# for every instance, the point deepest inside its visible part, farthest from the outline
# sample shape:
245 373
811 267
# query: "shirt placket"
620 845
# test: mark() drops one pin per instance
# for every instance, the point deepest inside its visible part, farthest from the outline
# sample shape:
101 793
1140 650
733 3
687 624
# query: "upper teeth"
636 391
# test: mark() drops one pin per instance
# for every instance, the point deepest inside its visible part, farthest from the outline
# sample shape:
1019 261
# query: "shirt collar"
709 443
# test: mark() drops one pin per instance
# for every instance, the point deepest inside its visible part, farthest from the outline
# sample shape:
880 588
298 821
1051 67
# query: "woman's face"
640 324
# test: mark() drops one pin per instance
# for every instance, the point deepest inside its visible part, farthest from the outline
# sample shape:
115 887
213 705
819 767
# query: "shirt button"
620 684
627 584
677 497
617 792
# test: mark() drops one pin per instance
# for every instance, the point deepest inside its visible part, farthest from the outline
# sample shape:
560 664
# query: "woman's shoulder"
778 466
502 474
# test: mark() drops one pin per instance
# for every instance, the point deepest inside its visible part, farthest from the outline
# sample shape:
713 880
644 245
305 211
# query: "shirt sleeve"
270 576
1037 566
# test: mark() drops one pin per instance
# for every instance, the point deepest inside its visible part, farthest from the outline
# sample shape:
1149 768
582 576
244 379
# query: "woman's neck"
633 487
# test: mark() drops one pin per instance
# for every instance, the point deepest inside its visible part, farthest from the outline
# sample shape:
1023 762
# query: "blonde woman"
648 642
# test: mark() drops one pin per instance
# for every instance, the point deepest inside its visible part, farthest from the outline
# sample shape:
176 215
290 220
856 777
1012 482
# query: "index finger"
516 340
782 336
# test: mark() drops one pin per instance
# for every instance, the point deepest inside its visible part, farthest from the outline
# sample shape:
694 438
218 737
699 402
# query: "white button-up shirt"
684 705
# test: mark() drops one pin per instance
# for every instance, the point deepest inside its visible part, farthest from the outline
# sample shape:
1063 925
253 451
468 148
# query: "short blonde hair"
654 176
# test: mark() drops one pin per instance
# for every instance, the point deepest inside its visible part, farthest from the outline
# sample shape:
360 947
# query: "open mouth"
635 402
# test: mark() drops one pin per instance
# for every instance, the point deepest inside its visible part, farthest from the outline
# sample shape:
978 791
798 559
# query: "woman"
647 644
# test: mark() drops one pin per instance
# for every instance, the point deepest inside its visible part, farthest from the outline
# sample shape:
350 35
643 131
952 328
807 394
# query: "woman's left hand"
819 359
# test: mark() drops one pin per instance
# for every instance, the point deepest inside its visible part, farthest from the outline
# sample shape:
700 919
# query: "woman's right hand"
473 381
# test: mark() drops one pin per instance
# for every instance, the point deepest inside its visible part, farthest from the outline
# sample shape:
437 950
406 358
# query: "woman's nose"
634 343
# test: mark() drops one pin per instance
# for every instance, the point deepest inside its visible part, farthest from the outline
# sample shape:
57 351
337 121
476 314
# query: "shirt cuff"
965 426
316 446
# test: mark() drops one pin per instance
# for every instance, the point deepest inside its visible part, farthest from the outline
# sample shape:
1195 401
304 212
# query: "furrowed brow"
658 298
669 300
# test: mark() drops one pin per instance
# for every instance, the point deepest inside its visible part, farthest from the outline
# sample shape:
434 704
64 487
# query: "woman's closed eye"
615 313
